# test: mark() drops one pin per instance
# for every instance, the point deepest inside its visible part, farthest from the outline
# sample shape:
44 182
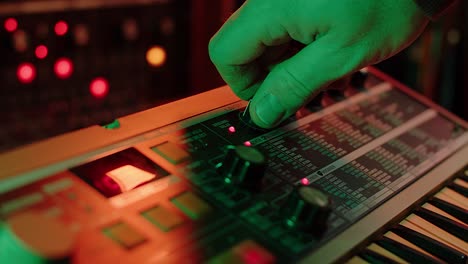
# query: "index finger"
234 49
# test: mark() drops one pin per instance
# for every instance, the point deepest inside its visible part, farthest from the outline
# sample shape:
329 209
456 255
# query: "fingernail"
269 110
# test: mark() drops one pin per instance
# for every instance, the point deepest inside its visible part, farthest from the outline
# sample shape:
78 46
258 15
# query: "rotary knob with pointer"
307 209
243 166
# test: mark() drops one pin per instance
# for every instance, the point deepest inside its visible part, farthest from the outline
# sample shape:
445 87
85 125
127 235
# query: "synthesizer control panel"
195 181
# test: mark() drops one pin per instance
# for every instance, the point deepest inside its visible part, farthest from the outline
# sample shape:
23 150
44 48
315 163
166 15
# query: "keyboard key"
374 257
438 211
192 205
124 235
163 218
382 251
357 260
445 223
391 235
454 197
452 209
432 246
409 254
459 189
420 225
464 175
461 183
449 200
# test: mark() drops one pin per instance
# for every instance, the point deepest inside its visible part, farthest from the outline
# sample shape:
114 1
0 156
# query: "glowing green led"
227 180
113 125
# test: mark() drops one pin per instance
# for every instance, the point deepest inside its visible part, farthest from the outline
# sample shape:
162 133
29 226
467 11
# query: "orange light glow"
156 56
81 35
20 41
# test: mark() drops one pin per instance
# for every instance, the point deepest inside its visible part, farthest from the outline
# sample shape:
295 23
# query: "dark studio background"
109 40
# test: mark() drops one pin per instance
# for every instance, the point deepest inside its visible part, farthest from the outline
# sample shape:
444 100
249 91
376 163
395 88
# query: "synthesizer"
370 174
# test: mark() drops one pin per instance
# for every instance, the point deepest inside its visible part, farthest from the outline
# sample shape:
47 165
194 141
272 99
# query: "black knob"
358 79
307 209
246 119
243 166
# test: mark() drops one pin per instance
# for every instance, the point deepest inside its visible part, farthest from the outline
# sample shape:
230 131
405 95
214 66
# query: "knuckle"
294 85
214 50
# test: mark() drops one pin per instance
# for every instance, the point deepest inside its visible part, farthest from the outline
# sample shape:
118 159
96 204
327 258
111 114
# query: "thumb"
294 81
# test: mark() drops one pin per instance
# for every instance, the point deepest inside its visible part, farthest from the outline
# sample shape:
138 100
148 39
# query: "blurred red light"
63 68
11 24
305 181
232 129
99 87
26 72
61 28
41 51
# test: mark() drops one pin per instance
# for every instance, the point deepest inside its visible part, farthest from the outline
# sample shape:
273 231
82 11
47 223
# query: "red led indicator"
251 256
247 144
305 181
11 24
99 87
41 51
61 28
63 68
26 72
232 129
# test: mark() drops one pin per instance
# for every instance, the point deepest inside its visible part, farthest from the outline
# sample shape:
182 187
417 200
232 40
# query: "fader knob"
30 237
243 166
307 209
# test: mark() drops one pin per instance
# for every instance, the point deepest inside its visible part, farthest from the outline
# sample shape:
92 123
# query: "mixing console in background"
66 65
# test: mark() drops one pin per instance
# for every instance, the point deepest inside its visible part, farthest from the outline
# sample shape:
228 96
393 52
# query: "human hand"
338 37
